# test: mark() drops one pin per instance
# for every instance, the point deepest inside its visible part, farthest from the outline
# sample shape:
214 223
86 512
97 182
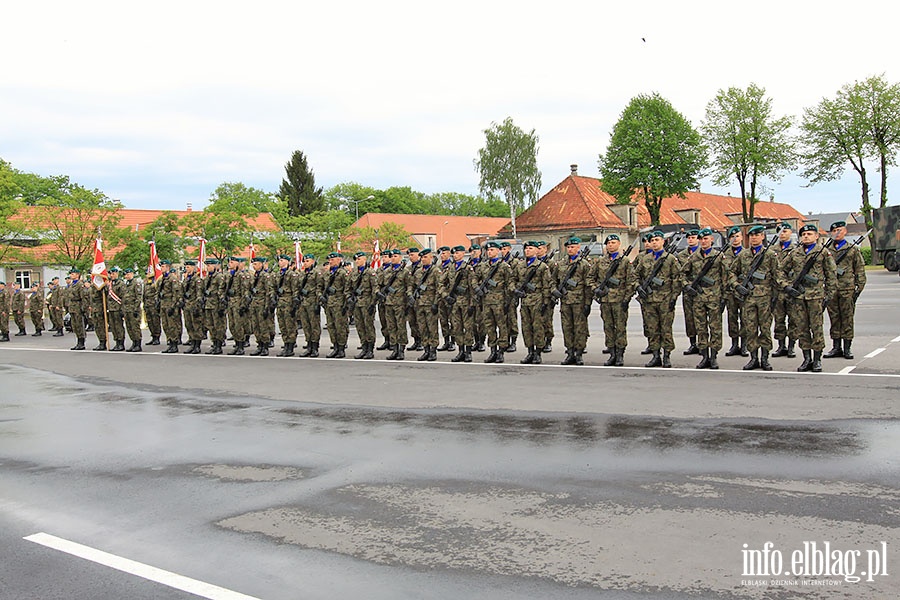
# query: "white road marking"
896 339
846 370
874 353
173 580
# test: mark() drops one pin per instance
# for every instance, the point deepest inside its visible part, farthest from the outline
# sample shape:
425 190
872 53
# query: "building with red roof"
434 231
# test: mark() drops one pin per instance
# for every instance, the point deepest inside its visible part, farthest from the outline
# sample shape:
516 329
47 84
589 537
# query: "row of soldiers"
477 297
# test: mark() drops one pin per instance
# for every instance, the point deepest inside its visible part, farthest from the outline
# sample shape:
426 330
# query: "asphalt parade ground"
180 476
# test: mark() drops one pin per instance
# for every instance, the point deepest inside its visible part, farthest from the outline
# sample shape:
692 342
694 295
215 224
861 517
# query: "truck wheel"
891 261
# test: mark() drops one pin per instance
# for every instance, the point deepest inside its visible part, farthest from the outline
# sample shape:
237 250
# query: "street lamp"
356 203
441 238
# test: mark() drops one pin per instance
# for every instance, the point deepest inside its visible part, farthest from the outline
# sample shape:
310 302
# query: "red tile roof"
580 203
448 230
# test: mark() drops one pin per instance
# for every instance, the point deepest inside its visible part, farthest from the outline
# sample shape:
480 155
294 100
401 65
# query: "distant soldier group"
476 299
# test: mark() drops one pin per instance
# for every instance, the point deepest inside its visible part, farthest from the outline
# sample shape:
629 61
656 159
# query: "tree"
226 231
653 152
508 164
240 199
747 142
860 123
165 231
389 235
299 190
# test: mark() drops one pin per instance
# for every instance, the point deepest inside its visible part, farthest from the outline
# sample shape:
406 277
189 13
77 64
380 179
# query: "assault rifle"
796 289
417 291
842 254
745 287
489 283
354 296
611 280
329 289
566 283
701 279
383 293
645 288
526 285
454 290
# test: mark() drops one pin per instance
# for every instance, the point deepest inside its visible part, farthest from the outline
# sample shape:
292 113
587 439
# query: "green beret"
542 243
165 261
705 232
837 224
258 259
424 251
129 270
286 257
239 259
310 256
190 263
75 271
458 249
2 283
531 244
334 255
492 244
505 244
786 225
114 270
757 229
358 254
809 227
657 234
573 240
733 231
647 237
444 249
474 247
411 250
610 238
211 261
694 231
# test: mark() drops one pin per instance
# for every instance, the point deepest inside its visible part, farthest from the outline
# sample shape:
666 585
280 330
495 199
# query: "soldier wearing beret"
286 282
310 289
809 296
707 296
215 305
17 305
512 314
693 243
4 312
647 250
262 302
333 299
533 290
783 327
55 307
444 310
614 270
381 279
735 323
411 317
192 306
495 283
150 301
76 305
851 279
238 286
425 296
659 302
132 291
545 257
170 302
476 262
396 292
575 302
756 308
36 309
114 309
363 286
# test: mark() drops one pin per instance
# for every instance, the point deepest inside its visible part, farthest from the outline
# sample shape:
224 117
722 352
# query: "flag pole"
105 315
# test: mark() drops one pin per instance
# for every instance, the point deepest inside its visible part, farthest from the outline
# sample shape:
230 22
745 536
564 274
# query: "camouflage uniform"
115 314
363 286
214 309
396 293
533 290
806 303
444 313
76 304
131 306
4 315
381 281
426 295
192 298
262 302
707 297
783 326
286 282
687 304
335 293
548 313
99 299
55 308
480 333
756 311
659 305
459 283
168 288
614 303
512 312
735 323
36 311
309 289
574 306
18 309
238 285
851 280
151 312
411 316
495 305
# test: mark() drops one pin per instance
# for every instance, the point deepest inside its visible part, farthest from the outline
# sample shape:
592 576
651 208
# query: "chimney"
574 170
190 207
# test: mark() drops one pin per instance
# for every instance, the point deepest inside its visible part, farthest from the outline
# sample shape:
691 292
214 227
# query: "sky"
157 104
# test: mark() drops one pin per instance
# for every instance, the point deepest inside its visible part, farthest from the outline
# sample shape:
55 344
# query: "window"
23 278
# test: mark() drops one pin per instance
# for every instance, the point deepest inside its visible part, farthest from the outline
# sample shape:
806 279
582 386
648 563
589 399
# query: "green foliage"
390 235
226 231
240 199
747 142
653 152
508 164
165 230
299 192
867 255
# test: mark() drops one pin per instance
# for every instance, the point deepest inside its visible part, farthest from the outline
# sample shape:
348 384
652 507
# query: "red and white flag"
153 268
298 257
376 256
99 274
252 250
201 262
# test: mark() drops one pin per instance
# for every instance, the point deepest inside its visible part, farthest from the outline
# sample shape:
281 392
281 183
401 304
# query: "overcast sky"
157 104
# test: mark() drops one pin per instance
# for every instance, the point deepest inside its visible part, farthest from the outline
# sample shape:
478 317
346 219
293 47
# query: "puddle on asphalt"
249 473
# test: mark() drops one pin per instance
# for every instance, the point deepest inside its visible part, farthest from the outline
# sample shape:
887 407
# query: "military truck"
887 236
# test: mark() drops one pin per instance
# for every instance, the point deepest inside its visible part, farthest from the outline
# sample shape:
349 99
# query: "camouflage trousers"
310 320
100 323
365 322
494 321
512 318
260 323
687 304
396 322
287 324
548 324
615 324
338 322
37 319
783 325
193 323
756 318
462 324
734 315
841 313
708 320
480 332
116 325
19 319
4 324
153 322
171 324
808 318
382 319
238 324
444 319
428 325
533 326
76 319
215 323
56 317
658 320
133 325
412 318
574 326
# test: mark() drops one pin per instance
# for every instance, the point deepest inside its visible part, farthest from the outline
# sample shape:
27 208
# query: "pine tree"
299 190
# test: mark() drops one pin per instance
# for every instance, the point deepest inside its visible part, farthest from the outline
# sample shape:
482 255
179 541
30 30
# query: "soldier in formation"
850 269
132 292
4 312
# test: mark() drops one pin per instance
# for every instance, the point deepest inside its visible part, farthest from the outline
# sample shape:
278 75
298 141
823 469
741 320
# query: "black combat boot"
100 346
4 337
433 355
847 353
666 359
608 350
339 351
393 354
511 347
238 349
692 349
131 348
370 347
816 366
754 361
499 358
212 349
647 350
447 345
548 347
425 355
704 361
807 361
314 349
78 346
479 345
578 360
460 355
414 345
713 362
154 341
492 357
611 361
362 353
529 358
764 360
781 350
259 349
37 333
570 357
536 360
620 357
836 350
120 345
288 349
21 332
735 347
401 354
190 349
467 357
197 347
59 333
655 361
384 346
744 347
790 348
